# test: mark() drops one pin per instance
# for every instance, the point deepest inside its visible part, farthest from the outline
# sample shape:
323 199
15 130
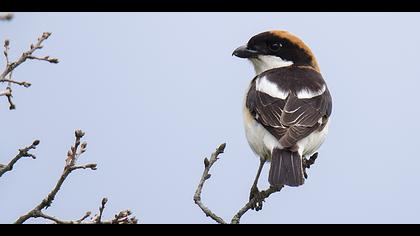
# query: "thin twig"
122 217
6 75
27 55
101 210
197 196
23 83
71 165
53 219
46 58
249 205
263 195
87 214
22 153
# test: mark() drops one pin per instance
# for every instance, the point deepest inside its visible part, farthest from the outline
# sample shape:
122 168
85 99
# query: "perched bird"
287 106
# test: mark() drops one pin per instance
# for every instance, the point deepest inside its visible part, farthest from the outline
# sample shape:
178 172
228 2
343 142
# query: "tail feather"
286 168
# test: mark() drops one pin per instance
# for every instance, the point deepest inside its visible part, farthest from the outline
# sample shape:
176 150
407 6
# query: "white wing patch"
265 86
306 93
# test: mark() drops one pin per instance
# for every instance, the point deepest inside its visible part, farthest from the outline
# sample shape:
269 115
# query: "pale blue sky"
157 92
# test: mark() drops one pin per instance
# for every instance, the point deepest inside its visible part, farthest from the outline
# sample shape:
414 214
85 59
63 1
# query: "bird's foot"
255 195
306 163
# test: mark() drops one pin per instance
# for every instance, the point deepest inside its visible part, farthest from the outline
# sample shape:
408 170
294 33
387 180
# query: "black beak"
244 52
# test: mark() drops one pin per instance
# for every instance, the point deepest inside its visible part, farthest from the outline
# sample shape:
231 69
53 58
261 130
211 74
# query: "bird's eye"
274 47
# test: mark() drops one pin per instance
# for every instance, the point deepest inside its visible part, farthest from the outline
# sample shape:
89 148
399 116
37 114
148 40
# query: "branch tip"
221 148
6 75
36 143
70 166
79 133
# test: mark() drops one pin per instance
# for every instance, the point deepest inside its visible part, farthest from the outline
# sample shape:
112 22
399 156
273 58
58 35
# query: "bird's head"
273 49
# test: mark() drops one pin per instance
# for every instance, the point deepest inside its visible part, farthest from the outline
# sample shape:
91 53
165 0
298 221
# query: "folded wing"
291 104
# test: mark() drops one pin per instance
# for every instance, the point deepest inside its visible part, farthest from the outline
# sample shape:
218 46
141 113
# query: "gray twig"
122 217
22 153
249 205
71 165
101 210
263 195
6 75
197 196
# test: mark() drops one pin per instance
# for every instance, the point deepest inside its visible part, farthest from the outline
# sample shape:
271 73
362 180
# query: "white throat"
264 62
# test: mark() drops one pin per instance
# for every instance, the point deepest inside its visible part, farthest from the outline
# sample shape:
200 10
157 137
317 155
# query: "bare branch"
263 195
6 75
46 58
197 196
87 214
23 83
6 17
71 165
26 55
68 168
101 210
8 93
22 153
122 217
249 205
53 219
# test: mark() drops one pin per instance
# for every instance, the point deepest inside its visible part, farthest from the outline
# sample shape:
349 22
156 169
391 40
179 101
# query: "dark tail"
286 168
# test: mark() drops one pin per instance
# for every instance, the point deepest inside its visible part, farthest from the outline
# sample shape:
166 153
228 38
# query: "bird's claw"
306 163
257 197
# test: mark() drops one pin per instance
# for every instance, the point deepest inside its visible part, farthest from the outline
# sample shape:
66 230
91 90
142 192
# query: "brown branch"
121 218
26 55
6 17
22 153
87 214
8 93
6 75
263 195
101 210
71 165
23 83
46 58
249 205
197 196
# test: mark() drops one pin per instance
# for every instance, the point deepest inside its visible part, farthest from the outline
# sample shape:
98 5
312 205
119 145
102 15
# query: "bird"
287 106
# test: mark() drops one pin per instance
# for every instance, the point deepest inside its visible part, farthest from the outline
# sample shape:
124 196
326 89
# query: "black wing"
295 116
